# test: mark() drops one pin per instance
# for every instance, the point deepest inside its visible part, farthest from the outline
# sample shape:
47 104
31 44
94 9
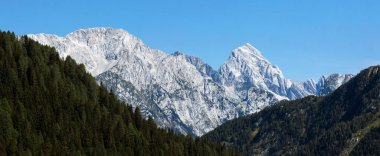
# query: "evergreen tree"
50 106
338 124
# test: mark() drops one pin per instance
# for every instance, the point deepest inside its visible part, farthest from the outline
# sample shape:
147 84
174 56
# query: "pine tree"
50 106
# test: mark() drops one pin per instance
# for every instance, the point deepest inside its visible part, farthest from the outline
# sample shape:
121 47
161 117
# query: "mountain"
51 106
247 68
328 84
345 122
182 92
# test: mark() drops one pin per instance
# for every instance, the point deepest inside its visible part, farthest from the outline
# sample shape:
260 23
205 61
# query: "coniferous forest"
346 122
50 106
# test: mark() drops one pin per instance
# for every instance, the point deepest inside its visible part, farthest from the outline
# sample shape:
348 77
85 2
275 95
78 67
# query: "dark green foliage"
331 125
369 145
50 106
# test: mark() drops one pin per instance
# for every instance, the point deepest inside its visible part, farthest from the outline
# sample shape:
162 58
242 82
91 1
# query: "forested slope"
50 106
345 122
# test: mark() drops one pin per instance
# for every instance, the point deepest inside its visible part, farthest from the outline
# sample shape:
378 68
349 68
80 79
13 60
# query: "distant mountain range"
182 92
345 122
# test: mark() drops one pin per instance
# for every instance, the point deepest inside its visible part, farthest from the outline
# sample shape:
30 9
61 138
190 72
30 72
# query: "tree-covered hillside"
345 122
50 106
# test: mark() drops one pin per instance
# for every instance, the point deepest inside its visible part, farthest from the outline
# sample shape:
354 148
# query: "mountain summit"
97 48
247 67
182 92
345 122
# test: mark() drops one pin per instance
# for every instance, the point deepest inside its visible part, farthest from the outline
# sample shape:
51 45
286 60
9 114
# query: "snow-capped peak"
182 92
97 48
247 67
247 50
105 40
327 84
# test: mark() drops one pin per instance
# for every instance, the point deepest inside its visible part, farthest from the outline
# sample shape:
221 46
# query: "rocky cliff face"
182 92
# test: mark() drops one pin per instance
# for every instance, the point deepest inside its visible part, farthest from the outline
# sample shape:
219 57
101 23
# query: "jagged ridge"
182 92
343 123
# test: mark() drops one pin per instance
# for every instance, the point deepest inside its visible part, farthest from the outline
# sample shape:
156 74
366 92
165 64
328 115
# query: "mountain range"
51 106
178 91
345 122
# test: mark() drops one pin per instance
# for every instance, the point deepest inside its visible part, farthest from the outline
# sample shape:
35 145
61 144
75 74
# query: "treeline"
345 122
50 106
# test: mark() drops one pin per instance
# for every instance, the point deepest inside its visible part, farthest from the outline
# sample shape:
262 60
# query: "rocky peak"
181 92
247 50
327 84
247 67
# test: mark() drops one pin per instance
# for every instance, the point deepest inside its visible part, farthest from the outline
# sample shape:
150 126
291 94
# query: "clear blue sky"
306 39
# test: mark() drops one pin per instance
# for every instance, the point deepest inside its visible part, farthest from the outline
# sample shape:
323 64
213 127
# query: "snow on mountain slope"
246 67
327 84
297 89
98 49
182 92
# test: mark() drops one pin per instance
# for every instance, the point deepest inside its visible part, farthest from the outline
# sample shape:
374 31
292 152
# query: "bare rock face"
182 92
